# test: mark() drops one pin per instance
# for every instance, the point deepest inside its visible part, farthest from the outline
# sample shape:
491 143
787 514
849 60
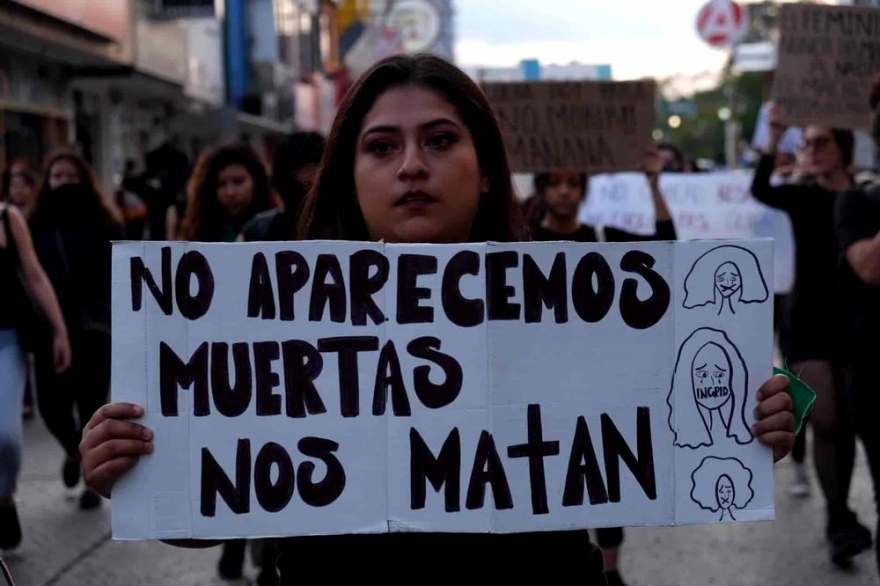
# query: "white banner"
334 387
703 206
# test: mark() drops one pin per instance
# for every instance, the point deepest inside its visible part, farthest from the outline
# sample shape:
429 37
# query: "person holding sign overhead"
814 311
415 155
559 197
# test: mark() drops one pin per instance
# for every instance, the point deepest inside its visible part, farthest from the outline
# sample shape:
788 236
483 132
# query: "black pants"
67 400
864 401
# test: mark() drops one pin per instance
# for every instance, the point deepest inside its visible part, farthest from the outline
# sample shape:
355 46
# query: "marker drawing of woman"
725 276
721 485
707 397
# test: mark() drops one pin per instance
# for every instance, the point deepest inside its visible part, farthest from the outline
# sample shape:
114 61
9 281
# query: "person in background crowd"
294 169
134 211
857 223
228 188
414 155
561 197
73 226
814 349
19 188
16 240
673 159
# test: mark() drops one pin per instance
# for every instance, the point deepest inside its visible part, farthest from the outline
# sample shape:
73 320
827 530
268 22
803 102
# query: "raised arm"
778 196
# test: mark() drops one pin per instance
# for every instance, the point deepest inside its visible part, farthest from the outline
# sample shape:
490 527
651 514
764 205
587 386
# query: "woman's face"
711 377
235 189
563 195
416 172
21 192
821 153
62 173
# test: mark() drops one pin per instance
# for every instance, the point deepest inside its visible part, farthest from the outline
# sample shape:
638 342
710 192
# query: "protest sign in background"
592 126
333 387
703 206
828 58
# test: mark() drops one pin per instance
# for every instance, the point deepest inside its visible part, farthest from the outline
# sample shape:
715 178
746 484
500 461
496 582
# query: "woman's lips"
415 200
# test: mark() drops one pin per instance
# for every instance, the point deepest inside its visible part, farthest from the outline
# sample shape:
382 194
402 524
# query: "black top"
270 226
665 231
7 276
814 301
857 217
77 260
442 558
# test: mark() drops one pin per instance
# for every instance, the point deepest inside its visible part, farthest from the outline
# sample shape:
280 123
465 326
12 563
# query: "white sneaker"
800 485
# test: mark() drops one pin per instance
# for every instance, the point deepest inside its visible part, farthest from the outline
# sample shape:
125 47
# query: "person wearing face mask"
294 169
415 155
73 226
857 225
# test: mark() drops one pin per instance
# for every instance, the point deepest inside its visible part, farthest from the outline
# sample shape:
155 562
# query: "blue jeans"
13 370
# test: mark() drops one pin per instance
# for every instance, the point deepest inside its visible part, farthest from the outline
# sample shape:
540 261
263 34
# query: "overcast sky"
636 37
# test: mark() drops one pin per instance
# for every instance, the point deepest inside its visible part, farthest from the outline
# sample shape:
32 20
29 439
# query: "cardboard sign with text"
828 59
589 126
339 387
703 206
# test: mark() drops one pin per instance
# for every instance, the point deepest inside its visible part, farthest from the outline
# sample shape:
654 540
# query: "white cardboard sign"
337 387
703 206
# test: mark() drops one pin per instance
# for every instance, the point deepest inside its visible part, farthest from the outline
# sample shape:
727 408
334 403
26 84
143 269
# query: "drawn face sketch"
708 394
725 277
725 492
711 377
728 280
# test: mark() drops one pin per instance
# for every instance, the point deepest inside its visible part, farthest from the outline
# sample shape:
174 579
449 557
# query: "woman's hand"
775 425
61 356
111 446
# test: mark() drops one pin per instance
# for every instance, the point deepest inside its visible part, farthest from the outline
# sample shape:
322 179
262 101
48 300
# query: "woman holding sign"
415 155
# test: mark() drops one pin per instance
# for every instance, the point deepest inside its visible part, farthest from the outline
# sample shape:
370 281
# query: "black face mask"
69 205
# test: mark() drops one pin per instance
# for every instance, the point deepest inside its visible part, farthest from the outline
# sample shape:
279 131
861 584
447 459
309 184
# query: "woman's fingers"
775 385
119 448
114 411
778 422
102 479
111 429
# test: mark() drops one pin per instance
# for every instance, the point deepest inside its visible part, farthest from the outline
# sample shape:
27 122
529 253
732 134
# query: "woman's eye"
380 147
701 375
440 140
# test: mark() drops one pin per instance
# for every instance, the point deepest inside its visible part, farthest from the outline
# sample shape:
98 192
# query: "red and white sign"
722 23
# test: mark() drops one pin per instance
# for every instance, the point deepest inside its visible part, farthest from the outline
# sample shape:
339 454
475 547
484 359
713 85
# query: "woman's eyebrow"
720 368
701 367
382 128
438 122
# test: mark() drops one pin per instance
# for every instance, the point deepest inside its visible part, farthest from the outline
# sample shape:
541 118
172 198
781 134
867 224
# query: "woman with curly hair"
228 187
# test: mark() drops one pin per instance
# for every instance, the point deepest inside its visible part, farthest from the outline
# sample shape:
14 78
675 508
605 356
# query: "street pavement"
64 546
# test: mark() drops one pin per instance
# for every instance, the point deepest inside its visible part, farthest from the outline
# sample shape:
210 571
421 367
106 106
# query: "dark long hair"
204 218
91 208
331 210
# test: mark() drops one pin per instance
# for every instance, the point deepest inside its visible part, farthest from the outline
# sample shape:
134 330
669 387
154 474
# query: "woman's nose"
413 164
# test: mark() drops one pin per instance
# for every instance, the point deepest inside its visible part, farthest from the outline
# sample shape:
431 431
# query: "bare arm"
37 281
864 259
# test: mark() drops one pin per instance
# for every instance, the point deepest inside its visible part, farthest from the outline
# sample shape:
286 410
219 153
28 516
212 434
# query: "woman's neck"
837 180
559 226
